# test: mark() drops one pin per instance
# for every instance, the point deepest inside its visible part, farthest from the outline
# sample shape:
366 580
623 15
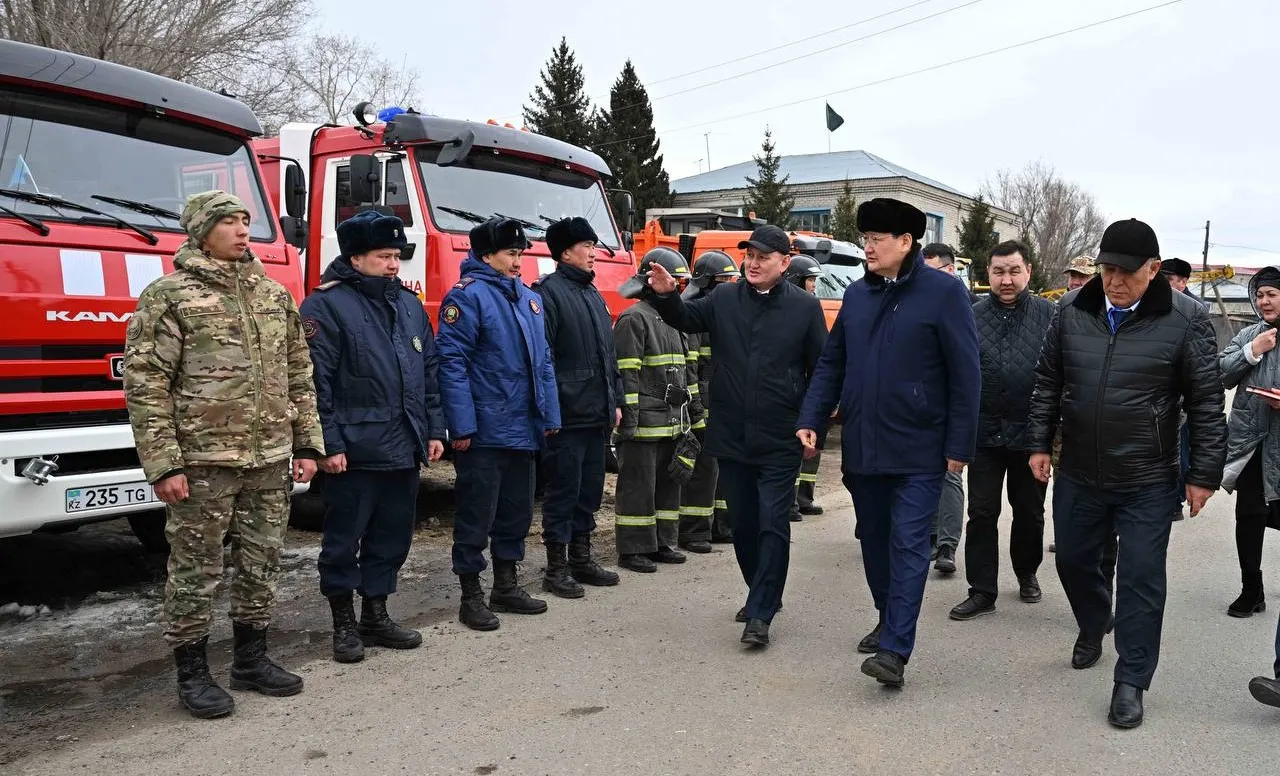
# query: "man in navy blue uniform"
375 374
902 362
580 334
499 387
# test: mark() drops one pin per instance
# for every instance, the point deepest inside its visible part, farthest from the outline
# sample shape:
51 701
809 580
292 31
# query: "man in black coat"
1011 325
767 335
377 391
1122 354
580 334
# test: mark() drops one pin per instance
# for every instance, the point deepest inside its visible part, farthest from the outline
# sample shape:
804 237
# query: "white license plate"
105 496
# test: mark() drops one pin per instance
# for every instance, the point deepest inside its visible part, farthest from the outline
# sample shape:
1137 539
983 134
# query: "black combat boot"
507 595
251 669
1252 599
584 569
347 646
473 613
557 580
377 627
196 689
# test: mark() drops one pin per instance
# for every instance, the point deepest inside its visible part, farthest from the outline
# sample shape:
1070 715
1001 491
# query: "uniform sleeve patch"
310 327
450 314
533 305
135 328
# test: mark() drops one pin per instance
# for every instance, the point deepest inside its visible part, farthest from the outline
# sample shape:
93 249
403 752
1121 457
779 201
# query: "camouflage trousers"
252 505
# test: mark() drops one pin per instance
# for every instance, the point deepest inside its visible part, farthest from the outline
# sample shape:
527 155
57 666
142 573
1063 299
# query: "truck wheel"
149 528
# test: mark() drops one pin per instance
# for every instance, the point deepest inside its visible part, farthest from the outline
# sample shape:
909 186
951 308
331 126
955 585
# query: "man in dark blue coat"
498 382
902 362
375 374
580 334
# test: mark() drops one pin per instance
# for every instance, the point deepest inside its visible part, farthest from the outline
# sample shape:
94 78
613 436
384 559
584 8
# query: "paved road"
649 678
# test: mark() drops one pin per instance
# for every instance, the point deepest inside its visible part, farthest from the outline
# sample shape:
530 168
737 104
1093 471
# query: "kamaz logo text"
67 316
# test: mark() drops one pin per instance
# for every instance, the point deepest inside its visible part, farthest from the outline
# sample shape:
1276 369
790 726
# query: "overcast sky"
1168 116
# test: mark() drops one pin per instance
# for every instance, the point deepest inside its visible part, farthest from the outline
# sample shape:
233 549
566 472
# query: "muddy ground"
92 656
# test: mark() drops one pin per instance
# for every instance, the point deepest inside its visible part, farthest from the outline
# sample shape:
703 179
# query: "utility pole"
1205 261
699 166
707 137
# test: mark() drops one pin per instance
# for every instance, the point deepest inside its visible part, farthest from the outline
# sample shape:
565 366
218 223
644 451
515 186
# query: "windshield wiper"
467 214
522 222
141 207
34 223
55 203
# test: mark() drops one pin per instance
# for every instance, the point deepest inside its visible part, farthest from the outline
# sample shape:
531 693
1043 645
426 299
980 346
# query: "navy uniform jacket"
375 369
497 376
902 362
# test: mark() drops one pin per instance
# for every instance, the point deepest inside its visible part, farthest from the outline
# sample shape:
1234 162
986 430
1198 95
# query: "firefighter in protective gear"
804 272
698 497
658 407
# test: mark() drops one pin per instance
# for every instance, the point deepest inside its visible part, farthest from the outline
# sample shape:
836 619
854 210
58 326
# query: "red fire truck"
442 177
96 161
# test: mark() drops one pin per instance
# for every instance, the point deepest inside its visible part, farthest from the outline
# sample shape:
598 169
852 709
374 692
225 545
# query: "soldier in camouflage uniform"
218 382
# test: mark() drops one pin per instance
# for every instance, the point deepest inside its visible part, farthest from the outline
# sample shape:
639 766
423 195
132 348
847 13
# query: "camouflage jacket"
217 370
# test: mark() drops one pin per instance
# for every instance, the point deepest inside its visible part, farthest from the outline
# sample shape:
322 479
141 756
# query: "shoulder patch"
450 313
310 327
328 285
135 328
464 283
537 308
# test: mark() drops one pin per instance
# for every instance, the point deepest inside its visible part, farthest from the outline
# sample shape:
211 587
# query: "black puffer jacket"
1118 395
580 334
1009 340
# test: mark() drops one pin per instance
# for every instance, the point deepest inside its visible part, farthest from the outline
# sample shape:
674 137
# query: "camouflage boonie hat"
206 209
1082 265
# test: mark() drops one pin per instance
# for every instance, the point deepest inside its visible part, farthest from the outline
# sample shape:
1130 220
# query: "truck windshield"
131 165
835 279
533 192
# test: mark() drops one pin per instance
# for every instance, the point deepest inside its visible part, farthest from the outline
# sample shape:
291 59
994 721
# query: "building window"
811 220
932 228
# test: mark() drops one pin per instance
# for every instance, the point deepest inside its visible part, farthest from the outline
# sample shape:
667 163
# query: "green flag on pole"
834 120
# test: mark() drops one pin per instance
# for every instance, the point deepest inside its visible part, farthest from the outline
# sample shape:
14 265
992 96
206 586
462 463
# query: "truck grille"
63 383
90 462
62 420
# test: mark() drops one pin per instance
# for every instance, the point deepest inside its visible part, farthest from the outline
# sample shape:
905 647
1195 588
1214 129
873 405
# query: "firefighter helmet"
707 269
803 267
671 261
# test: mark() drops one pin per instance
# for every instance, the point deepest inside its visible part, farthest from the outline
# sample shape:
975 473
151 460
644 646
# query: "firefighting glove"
680 470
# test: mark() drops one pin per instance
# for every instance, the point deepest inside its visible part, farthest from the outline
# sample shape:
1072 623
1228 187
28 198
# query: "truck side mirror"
628 208
295 191
456 150
628 241
294 231
366 178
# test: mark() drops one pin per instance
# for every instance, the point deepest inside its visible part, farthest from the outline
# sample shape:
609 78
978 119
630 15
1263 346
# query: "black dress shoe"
701 548
1087 651
1126 706
885 667
975 605
1029 589
945 559
666 555
639 563
813 509
756 634
1265 690
870 643
795 516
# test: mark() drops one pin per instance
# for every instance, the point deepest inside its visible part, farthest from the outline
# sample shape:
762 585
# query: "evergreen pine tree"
844 217
628 142
977 239
767 193
1040 279
560 106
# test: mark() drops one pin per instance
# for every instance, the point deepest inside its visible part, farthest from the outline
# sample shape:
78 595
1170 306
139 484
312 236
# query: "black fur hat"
890 216
568 232
498 234
368 231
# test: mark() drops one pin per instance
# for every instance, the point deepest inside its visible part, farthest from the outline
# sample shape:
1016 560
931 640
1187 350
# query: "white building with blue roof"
816 180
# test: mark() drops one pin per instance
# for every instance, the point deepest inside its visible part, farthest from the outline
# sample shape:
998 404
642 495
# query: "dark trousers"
646 500
987 477
1083 520
895 514
807 482
574 468
698 498
368 527
1253 514
494 491
759 498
